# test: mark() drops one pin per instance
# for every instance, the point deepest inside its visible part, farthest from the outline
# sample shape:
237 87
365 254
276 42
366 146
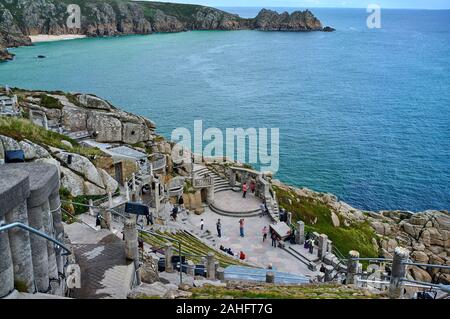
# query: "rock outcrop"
21 18
268 20
84 112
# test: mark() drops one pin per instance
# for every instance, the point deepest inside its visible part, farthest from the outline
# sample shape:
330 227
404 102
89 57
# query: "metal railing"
38 233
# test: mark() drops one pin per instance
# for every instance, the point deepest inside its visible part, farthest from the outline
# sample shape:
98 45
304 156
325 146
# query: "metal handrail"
36 232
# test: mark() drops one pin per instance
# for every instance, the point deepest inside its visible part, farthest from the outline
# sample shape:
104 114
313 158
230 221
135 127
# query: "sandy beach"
52 38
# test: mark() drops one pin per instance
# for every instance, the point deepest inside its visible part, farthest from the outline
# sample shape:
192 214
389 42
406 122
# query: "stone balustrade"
29 194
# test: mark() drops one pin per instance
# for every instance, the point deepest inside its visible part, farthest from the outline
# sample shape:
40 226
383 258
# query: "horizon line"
428 9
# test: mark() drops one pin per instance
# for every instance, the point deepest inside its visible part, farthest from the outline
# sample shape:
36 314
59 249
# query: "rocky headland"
20 19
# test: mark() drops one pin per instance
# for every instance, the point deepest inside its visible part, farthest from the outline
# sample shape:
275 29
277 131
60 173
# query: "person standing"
244 190
252 186
264 232
262 207
274 239
241 227
202 224
219 228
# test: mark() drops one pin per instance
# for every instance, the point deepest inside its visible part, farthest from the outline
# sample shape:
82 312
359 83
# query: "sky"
387 4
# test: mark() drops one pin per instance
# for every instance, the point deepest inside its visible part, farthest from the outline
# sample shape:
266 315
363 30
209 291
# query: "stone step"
252 213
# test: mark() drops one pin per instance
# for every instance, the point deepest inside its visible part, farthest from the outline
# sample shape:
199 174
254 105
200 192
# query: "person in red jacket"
242 256
244 190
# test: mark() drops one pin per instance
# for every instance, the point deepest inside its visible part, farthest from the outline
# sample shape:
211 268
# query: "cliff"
21 18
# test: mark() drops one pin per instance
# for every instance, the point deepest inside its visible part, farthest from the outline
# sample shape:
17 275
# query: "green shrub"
50 102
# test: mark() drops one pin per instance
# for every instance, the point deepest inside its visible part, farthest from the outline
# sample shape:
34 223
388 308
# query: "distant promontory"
21 18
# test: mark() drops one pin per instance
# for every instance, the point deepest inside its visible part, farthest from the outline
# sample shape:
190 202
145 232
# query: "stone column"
110 200
270 277
6 266
300 234
168 254
352 266
39 249
232 178
105 222
329 246
398 273
131 239
55 207
48 227
19 244
323 239
91 209
210 193
289 218
220 274
157 201
210 266
190 268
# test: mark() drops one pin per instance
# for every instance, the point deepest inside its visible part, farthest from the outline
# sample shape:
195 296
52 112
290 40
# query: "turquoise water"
363 114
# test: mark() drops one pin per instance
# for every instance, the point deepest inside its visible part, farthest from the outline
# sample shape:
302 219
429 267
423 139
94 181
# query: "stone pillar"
91 209
39 249
105 222
300 234
6 266
133 182
352 266
329 246
45 123
210 266
220 274
323 239
232 178
55 207
191 268
210 194
127 193
131 239
48 227
20 247
157 201
270 277
168 254
289 218
396 286
110 200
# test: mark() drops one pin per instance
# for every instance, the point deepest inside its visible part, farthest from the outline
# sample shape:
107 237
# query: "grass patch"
50 102
317 218
20 129
261 291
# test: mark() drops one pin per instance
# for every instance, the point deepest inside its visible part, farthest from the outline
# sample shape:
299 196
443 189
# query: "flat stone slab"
14 188
44 180
233 202
299 249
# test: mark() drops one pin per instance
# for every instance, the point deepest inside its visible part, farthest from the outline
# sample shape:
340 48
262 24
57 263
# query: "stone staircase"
246 214
220 184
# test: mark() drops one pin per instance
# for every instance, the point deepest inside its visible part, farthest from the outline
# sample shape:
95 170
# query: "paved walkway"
105 273
257 251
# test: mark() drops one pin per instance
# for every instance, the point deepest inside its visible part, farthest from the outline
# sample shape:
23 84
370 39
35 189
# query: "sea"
362 113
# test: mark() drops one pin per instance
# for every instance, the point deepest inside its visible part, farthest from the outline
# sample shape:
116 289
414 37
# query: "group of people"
246 186
241 254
